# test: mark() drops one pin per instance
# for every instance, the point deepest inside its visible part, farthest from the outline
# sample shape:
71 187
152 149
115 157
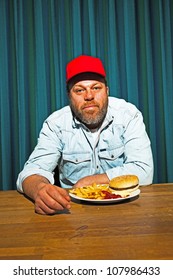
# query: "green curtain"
134 39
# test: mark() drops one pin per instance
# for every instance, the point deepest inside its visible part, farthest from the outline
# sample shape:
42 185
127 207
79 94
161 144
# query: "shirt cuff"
48 175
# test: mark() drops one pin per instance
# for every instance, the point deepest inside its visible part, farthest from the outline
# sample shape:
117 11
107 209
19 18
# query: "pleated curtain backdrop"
134 39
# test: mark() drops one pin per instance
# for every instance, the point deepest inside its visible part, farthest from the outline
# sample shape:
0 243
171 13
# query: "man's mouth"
89 106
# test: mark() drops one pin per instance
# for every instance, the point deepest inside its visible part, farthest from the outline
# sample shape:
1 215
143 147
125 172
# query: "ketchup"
109 195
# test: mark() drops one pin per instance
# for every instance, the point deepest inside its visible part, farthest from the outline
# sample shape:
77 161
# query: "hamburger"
124 184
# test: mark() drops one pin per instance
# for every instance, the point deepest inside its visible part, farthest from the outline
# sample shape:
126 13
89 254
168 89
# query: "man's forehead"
87 83
86 77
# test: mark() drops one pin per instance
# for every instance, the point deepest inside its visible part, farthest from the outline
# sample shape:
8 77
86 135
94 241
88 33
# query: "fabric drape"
134 39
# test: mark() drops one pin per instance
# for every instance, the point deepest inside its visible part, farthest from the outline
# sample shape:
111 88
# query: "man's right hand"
48 198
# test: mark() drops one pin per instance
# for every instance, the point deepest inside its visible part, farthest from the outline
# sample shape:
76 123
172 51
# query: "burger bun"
124 183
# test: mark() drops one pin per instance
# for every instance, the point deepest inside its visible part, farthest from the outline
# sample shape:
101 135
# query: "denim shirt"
121 147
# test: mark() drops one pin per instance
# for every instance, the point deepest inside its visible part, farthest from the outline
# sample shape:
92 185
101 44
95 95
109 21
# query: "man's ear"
107 90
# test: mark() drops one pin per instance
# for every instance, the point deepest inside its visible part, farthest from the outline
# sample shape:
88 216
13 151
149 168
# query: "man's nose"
89 95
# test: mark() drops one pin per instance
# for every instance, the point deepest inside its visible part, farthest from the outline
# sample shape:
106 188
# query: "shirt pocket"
76 166
111 157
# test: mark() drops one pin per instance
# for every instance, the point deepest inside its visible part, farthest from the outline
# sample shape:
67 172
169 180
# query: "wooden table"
138 229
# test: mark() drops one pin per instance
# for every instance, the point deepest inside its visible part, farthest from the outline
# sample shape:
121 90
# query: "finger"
65 194
51 198
44 205
43 209
47 205
58 196
54 201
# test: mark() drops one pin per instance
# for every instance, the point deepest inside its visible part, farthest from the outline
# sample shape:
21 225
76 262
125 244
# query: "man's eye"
96 88
79 90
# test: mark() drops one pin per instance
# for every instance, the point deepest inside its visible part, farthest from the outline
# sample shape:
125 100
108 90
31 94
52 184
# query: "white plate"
104 201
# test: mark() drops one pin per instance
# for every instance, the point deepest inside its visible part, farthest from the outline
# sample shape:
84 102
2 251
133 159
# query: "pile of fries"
93 191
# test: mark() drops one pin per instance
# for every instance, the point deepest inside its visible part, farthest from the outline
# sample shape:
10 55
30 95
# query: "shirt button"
112 156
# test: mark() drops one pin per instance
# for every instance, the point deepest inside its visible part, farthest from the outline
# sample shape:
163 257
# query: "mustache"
89 104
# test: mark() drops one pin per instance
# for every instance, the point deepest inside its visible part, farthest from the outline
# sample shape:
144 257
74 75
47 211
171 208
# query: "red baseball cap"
83 64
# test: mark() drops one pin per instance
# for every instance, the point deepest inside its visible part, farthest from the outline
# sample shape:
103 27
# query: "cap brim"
85 76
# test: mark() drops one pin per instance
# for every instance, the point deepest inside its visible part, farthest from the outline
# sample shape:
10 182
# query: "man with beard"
93 140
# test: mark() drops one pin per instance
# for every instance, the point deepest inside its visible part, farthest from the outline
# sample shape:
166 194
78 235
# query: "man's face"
89 102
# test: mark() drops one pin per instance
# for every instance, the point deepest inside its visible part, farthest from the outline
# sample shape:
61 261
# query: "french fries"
93 191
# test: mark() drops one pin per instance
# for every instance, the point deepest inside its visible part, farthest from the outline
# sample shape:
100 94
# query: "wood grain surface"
141 228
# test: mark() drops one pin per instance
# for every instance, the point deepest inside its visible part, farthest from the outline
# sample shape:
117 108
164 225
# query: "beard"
91 118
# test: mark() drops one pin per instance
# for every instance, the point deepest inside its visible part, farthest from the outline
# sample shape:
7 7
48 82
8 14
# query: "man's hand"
48 198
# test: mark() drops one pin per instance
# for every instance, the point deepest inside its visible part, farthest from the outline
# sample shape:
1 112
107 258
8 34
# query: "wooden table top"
139 229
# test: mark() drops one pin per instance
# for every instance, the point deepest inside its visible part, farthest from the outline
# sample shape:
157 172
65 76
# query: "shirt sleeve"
138 157
45 156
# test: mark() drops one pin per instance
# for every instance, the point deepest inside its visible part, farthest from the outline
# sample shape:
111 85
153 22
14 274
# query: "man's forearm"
88 180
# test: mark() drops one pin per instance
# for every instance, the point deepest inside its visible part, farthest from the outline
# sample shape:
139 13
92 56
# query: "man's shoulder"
121 105
61 114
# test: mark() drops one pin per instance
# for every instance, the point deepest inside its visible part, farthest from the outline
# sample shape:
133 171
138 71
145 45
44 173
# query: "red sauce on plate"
109 195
